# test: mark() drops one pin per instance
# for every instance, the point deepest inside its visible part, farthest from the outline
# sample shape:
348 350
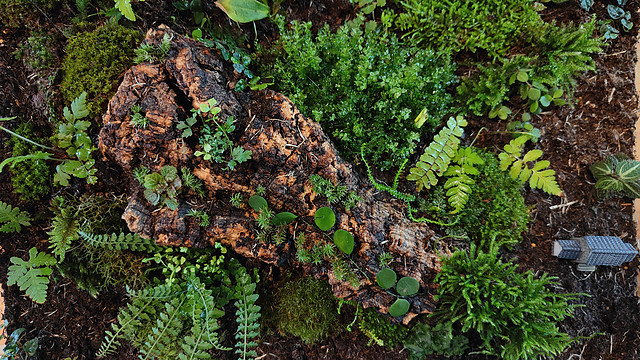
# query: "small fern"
459 184
32 276
192 182
247 316
132 242
437 156
538 175
64 231
12 219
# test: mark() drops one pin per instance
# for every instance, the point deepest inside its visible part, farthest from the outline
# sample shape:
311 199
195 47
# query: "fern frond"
459 184
132 242
539 176
32 276
247 316
64 231
167 329
192 182
12 219
381 187
437 156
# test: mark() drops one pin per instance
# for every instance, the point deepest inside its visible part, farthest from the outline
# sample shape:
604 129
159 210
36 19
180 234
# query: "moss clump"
16 13
495 208
94 61
31 179
306 308
380 330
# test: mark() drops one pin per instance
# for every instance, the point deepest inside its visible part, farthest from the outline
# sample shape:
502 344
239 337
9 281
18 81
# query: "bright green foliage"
64 228
12 219
32 275
73 137
306 308
137 118
334 193
425 340
244 11
451 26
399 307
459 183
380 330
124 6
515 313
163 187
325 218
344 241
140 172
202 216
617 175
247 315
538 175
237 200
324 251
495 208
93 63
153 53
30 179
437 156
192 182
17 13
362 84
122 241
386 278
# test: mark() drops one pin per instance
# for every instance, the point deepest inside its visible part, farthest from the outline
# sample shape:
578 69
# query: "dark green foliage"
247 315
30 179
14 345
495 207
153 53
515 314
163 187
334 193
363 85
202 216
425 340
32 275
380 330
617 175
132 242
93 63
306 308
36 51
16 13
451 26
324 218
140 172
192 182
12 219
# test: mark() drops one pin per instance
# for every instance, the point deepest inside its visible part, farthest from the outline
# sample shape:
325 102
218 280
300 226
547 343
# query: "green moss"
94 61
31 179
496 206
380 330
16 13
306 308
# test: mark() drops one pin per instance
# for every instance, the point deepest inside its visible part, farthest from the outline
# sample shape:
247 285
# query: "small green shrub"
362 84
94 60
30 179
495 207
516 314
17 13
306 308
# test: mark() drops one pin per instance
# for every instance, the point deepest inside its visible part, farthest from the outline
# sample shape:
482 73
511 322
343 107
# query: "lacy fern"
132 242
437 156
459 184
12 219
538 175
32 275
64 231
247 316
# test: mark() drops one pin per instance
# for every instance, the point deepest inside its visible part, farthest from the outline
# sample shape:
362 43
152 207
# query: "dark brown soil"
601 122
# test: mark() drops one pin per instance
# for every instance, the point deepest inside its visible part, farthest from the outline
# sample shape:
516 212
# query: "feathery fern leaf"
539 176
64 231
12 218
437 156
247 316
32 275
132 242
192 182
459 184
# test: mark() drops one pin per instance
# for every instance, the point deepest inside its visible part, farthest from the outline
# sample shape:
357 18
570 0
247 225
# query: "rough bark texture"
286 149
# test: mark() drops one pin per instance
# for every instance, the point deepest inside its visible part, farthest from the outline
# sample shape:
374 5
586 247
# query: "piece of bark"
286 149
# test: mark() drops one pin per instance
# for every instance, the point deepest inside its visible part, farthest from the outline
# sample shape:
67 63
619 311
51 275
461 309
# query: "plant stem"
25 139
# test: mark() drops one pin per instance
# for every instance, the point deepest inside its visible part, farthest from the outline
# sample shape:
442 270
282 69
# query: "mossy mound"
16 13
30 179
94 61
306 308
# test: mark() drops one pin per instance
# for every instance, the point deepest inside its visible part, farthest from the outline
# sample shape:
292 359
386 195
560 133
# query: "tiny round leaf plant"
257 202
386 278
399 308
283 218
407 286
325 218
344 241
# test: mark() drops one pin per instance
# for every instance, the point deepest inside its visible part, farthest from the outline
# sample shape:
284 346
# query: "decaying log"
286 149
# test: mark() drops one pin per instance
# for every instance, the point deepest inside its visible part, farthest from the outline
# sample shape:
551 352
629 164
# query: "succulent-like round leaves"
283 218
407 286
344 241
257 202
386 278
399 308
325 218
